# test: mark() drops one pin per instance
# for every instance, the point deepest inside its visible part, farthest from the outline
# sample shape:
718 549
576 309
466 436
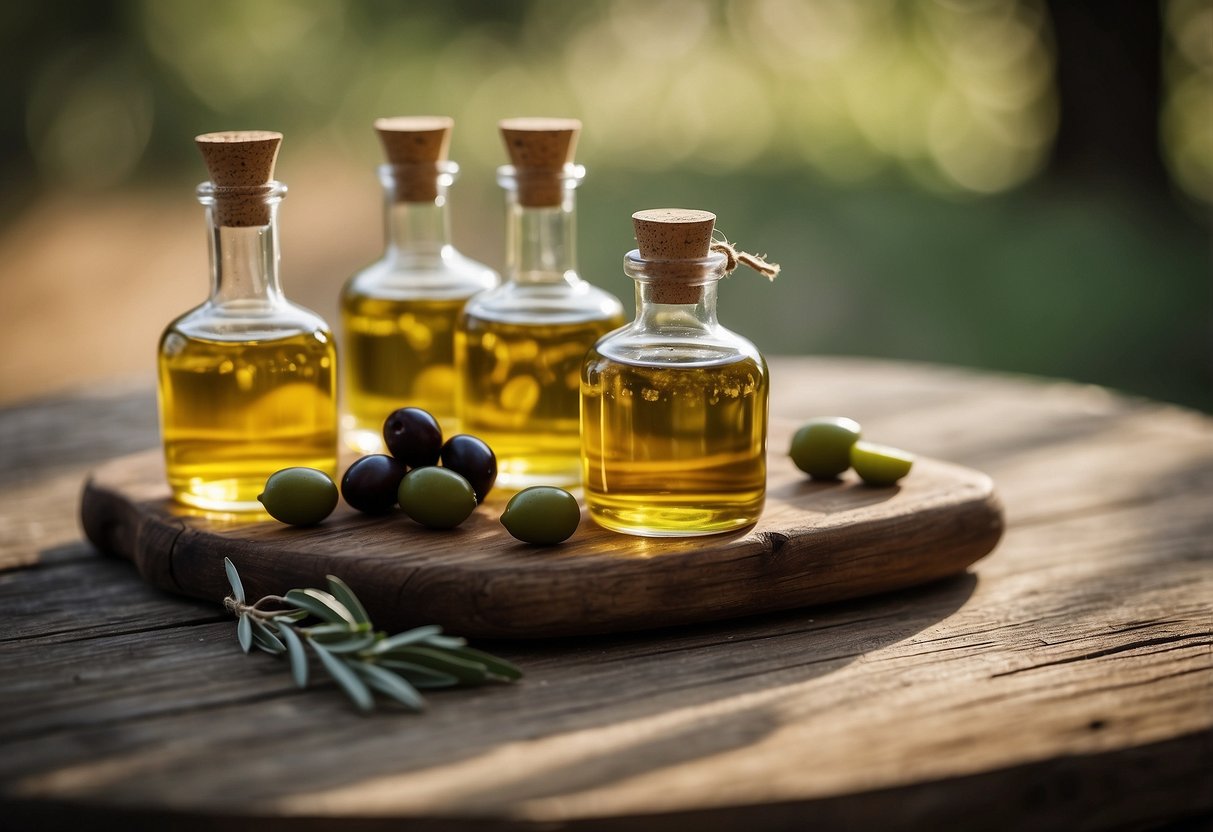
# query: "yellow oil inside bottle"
520 395
674 451
234 412
397 353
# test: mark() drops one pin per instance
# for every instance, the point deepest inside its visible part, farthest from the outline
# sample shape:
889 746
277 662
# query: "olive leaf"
294 647
320 604
389 683
448 642
244 633
408 637
345 677
466 671
496 666
353 644
233 578
265 638
348 599
419 676
332 632
361 660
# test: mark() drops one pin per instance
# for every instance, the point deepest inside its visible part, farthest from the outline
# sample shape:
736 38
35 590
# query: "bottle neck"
676 297
244 262
416 219
416 230
541 243
656 314
541 237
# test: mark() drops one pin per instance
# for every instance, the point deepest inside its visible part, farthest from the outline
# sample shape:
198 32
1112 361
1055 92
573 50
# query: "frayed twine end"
735 258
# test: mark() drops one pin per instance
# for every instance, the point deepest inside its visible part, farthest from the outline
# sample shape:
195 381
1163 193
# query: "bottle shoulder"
736 376
513 302
248 321
452 275
632 344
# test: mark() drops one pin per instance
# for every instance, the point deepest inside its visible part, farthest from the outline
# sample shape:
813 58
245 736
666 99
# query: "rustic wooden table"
1066 682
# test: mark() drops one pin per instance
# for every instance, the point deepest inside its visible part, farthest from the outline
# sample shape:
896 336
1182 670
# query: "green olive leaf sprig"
361 660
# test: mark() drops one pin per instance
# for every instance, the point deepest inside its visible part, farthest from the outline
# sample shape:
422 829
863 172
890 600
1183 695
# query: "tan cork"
414 146
675 234
539 149
242 160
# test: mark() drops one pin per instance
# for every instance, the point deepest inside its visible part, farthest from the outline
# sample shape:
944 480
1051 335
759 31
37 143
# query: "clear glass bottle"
398 315
519 347
247 380
674 405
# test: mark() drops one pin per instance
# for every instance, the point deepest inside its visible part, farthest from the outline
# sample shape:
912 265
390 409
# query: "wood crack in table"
1066 682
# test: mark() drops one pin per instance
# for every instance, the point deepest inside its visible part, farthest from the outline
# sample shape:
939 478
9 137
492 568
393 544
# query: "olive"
822 447
299 496
880 464
370 484
470 457
413 436
436 498
542 514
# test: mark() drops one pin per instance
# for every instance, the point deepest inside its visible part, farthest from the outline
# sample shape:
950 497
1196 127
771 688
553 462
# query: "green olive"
436 498
299 496
880 464
822 448
542 514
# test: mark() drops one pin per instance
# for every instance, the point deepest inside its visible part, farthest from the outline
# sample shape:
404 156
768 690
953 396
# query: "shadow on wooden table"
729 707
590 712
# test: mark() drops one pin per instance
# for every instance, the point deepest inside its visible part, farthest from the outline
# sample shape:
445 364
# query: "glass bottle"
398 315
247 380
519 347
674 405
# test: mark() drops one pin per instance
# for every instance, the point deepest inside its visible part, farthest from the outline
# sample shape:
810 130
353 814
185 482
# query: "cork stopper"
539 149
415 146
241 166
671 234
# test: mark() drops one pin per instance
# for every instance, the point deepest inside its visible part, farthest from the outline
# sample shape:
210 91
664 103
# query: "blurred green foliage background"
1009 184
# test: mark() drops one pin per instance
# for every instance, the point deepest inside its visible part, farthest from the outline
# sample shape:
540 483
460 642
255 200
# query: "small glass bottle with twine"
398 314
674 405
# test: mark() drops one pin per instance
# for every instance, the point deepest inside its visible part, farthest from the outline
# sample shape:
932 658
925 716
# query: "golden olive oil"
519 391
396 353
234 412
674 451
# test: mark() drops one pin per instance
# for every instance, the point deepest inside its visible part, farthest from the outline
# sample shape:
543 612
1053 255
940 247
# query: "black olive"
370 484
471 458
413 436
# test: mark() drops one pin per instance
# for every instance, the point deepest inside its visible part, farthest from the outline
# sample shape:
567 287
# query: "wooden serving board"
815 543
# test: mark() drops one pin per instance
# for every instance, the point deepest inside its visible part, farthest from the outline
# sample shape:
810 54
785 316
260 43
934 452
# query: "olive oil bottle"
674 405
247 380
519 348
398 315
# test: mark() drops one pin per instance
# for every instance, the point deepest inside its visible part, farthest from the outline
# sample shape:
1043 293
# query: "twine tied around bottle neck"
734 258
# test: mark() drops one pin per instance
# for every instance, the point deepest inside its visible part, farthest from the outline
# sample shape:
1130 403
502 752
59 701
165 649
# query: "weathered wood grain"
1065 684
815 543
44 445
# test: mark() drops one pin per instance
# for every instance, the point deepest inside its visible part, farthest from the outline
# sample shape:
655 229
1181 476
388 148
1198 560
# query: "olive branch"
360 659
